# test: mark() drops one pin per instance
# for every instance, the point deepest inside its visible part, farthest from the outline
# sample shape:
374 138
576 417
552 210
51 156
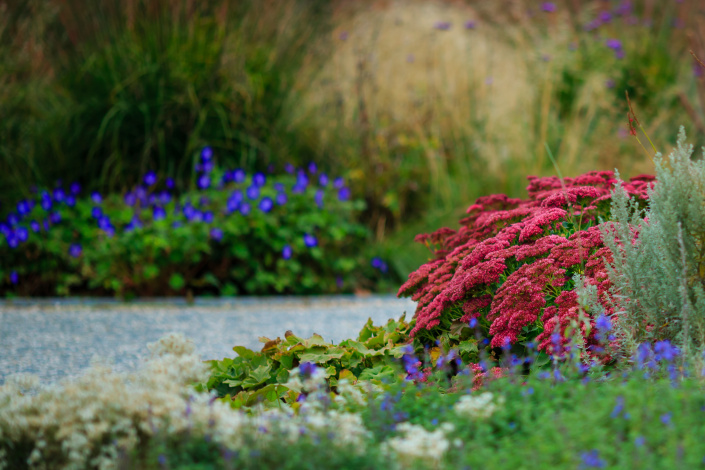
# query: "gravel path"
60 338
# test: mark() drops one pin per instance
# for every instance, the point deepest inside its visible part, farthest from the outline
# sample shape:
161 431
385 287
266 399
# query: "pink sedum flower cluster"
511 262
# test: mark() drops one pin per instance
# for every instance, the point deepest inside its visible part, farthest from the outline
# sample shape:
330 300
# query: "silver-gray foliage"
658 269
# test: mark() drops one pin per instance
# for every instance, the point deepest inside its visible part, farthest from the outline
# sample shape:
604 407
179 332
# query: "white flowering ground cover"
647 417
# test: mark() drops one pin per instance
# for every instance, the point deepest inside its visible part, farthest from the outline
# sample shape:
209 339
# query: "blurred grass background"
423 105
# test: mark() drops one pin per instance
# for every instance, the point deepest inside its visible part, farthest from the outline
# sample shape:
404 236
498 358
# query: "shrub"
255 377
657 274
237 234
510 266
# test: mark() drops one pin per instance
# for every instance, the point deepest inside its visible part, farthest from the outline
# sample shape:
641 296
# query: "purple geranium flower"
206 154
310 241
75 250
548 7
287 252
252 192
216 234
266 204
150 178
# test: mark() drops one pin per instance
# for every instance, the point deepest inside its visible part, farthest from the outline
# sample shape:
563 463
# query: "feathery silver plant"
658 269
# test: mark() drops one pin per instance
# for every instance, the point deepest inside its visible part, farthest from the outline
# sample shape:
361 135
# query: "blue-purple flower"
259 180
309 240
344 194
252 192
216 234
206 154
150 178
75 250
204 181
266 204
548 7
14 278
287 252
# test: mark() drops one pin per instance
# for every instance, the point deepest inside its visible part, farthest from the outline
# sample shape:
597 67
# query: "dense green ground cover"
236 234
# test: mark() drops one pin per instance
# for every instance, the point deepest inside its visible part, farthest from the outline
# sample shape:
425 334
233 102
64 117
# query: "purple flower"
323 179
338 183
75 188
206 154
150 178
34 225
258 179
96 197
22 234
204 181
603 324
610 83
614 44
469 24
158 213
96 212
245 208
59 195
548 7
23 208
55 217
287 252
266 204
665 351
473 323
14 278
289 168
605 17
442 25
666 419
618 408
216 234
312 168
170 183
639 441
46 204
281 198
307 369
343 35
208 217
344 194
592 459
310 241
12 240
75 250
619 54
252 192
319 198
239 175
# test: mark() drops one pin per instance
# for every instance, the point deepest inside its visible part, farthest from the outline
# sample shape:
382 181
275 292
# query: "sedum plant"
658 272
509 269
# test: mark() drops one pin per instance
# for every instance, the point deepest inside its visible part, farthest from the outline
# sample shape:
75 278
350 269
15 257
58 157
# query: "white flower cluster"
355 396
483 405
416 445
312 383
88 422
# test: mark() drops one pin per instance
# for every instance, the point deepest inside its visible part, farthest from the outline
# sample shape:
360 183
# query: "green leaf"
243 352
177 281
258 376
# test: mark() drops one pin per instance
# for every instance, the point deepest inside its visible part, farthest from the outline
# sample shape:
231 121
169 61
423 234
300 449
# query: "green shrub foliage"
658 273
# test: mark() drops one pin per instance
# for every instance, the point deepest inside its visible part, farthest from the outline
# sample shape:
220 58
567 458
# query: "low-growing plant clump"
510 266
235 234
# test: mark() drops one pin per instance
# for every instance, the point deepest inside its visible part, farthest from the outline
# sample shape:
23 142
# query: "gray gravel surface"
60 338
